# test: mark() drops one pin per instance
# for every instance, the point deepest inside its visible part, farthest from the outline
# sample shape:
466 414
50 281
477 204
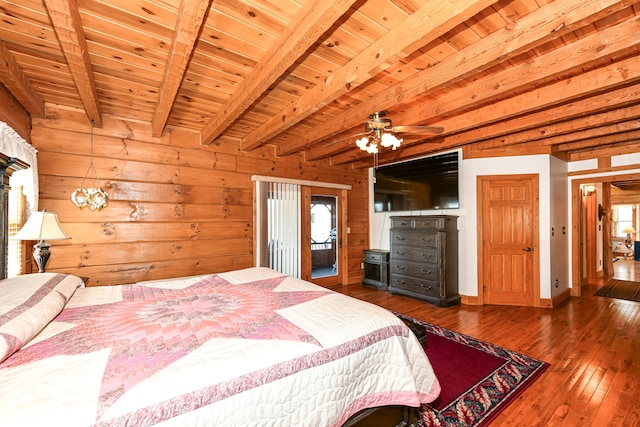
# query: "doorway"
323 257
283 228
324 242
580 253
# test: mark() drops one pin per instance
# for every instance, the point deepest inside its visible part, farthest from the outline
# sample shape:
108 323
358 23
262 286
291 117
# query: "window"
278 226
16 155
17 216
622 219
8 165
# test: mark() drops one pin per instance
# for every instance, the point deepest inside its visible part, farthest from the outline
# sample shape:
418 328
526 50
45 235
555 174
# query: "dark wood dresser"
423 261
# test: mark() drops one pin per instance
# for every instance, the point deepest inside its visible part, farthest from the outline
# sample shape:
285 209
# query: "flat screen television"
421 184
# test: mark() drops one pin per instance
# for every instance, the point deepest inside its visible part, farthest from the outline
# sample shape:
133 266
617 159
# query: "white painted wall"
555 212
549 169
559 234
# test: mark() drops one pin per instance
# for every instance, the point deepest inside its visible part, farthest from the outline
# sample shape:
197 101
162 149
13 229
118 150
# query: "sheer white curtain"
13 145
278 226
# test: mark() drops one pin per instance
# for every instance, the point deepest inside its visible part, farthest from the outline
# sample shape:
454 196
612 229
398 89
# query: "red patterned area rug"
478 379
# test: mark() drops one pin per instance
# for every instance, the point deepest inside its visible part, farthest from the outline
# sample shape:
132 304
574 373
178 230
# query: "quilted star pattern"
153 327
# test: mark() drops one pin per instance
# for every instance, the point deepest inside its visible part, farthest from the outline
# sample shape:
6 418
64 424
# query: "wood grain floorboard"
592 344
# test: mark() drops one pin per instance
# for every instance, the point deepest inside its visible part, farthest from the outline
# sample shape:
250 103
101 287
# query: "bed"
249 347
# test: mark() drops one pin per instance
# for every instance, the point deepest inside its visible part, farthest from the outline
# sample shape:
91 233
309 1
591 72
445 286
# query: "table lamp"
42 226
629 231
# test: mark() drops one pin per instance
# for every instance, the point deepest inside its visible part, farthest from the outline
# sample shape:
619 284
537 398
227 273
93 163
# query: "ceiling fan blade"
418 129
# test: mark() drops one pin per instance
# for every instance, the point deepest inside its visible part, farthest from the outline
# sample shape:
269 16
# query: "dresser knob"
426 271
427 287
400 267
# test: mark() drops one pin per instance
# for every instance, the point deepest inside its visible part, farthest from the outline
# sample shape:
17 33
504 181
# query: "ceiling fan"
380 130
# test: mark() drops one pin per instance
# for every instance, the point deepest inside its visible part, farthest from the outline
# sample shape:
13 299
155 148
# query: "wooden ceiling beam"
189 22
583 109
551 104
588 143
420 28
309 24
471 151
611 129
586 54
564 100
548 23
614 121
67 25
14 114
604 151
550 131
13 78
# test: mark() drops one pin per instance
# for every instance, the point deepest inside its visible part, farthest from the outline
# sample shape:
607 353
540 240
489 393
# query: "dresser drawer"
420 223
418 286
417 270
425 223
401 223
402 237
376 256
410 253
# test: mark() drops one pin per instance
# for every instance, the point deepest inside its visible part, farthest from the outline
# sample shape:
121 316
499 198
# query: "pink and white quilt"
249 347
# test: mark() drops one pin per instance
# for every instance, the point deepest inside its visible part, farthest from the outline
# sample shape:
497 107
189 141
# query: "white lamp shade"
362 143
629 230
389 140
42 226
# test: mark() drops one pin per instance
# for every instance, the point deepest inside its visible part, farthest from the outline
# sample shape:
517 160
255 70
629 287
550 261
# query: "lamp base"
41 254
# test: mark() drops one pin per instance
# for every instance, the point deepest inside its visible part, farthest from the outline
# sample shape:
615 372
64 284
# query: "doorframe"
341 237
480 179
343 189
577 263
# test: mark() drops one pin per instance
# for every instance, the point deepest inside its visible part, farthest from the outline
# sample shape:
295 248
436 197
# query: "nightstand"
376 268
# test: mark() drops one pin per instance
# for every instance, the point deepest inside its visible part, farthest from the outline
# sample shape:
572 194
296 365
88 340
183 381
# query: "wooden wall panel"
176 208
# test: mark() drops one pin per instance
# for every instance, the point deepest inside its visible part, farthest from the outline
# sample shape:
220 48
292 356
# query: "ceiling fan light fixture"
380 132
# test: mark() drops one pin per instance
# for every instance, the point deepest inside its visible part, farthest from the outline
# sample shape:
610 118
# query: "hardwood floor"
592 344
626 269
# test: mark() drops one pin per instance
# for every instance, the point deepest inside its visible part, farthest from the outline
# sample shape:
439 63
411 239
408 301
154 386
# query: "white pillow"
28 303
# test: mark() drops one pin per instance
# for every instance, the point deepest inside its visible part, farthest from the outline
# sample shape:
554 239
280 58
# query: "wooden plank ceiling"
502 77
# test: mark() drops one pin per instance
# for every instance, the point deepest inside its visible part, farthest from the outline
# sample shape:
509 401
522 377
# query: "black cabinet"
423 261
376 268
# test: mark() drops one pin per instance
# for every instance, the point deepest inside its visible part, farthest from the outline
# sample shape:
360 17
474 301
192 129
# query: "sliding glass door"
299 230
278 227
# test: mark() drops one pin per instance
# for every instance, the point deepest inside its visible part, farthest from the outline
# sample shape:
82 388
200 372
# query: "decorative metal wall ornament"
94 197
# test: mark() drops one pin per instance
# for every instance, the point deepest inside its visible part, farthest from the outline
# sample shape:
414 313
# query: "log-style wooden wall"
176 208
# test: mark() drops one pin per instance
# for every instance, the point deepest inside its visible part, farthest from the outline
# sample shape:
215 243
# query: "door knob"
527 249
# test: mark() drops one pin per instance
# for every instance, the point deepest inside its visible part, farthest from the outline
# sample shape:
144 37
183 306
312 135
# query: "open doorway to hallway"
609 221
